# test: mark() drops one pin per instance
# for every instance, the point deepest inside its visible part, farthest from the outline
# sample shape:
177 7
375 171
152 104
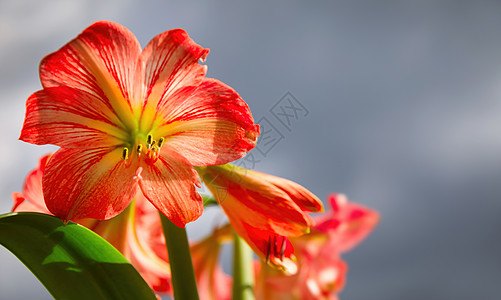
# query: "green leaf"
71 261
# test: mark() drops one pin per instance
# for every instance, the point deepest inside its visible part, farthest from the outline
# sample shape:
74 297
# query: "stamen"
125 153
139 148
275 245
153 143
282 251
149 139
268 250
161 141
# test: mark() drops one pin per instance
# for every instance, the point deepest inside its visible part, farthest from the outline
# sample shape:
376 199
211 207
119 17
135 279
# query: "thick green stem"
243 271
181 266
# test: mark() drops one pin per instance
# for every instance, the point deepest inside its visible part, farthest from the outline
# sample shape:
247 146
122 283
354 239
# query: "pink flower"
127 118
321 272
348 223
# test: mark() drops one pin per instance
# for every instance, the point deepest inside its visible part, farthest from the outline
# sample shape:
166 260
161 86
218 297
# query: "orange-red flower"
321 272
136 232
264 210
127 118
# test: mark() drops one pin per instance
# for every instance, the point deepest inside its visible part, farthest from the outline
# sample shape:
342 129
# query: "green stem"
181 266
243 272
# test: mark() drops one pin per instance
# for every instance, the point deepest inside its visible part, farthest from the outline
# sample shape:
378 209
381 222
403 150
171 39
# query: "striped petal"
169 184
93 183
209 124
256 201
101 61
70 118
169 62
267 210
204 120
297 193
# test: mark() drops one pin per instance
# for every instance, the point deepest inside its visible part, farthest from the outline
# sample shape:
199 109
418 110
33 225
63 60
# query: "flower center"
148 150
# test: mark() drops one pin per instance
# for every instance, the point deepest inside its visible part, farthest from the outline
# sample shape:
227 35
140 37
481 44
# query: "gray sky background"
404 102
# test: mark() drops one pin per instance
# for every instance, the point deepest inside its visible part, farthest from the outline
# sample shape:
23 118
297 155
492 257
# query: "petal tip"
18 200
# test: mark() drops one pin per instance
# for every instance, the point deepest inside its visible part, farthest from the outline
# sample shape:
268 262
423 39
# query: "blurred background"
400 109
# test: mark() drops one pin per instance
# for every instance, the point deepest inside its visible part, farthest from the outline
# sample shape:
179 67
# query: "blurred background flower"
395 103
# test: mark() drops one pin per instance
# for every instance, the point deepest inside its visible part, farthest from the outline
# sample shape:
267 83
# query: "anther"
161 141
154 148
125 153
139 148
149 139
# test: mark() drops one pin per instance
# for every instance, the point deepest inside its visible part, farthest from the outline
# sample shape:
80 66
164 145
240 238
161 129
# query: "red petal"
349 222
18 200
209 124
305 199
256 201
23 204
32 198
169 184
268 211
32 188
102 61
93 183
169 61
276 250
69 118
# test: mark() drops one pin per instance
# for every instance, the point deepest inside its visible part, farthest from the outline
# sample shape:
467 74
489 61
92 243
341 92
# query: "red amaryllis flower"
264 210
136 232
126 117
321 273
